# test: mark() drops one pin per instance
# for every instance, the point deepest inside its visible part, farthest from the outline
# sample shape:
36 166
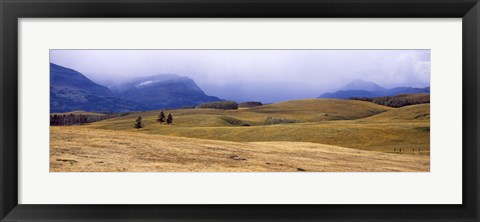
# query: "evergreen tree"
55 121
161 118
138 123
84 119
169 119
71 119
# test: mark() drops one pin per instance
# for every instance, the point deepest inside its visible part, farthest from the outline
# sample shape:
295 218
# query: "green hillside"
308 110
346 123
420 112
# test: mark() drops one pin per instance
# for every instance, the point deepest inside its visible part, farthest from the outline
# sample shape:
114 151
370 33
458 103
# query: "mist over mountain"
70 90
260 75
361 88
163 91
362 85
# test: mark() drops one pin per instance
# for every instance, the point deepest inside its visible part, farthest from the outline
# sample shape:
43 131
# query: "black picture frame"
12 10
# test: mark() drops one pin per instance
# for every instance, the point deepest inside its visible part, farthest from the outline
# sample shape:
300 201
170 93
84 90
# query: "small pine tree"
169 119
138 123
161 118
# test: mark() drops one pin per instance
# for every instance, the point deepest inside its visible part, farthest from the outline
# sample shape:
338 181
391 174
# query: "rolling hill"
330 135
342 123
406 113
308 110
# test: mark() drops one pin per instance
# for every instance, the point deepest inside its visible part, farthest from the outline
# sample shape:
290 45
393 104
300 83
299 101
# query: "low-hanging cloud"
263 75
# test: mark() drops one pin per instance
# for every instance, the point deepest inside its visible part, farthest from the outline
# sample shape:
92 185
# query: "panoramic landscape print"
239 110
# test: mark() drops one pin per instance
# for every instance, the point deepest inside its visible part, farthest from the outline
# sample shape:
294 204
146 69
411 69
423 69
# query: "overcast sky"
263 75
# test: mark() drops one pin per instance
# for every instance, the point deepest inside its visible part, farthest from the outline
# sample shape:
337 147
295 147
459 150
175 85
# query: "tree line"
72 119
219 105
397 101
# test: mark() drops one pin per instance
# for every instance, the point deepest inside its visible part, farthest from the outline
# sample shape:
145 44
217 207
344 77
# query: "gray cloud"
265 75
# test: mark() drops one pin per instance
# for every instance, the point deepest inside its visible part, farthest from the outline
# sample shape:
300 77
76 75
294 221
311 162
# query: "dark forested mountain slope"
70 90
164 91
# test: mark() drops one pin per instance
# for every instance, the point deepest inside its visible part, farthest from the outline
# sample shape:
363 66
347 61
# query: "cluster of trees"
67 119
72 119
219 105
234 122
397 101
274 120
249 104
161 119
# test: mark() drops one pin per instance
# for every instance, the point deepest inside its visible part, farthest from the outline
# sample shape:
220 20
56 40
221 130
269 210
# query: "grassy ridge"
312 110
347 123
379 137
420 112
79 112
308 110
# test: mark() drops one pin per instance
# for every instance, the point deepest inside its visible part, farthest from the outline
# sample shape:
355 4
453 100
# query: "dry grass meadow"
329 136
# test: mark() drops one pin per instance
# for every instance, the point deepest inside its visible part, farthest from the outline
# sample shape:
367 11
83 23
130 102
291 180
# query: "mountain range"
71 90
361 88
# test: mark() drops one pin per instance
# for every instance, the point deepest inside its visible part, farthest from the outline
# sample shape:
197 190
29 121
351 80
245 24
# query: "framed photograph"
224 110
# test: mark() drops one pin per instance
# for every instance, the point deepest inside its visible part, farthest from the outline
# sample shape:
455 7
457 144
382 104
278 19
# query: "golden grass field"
330 136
